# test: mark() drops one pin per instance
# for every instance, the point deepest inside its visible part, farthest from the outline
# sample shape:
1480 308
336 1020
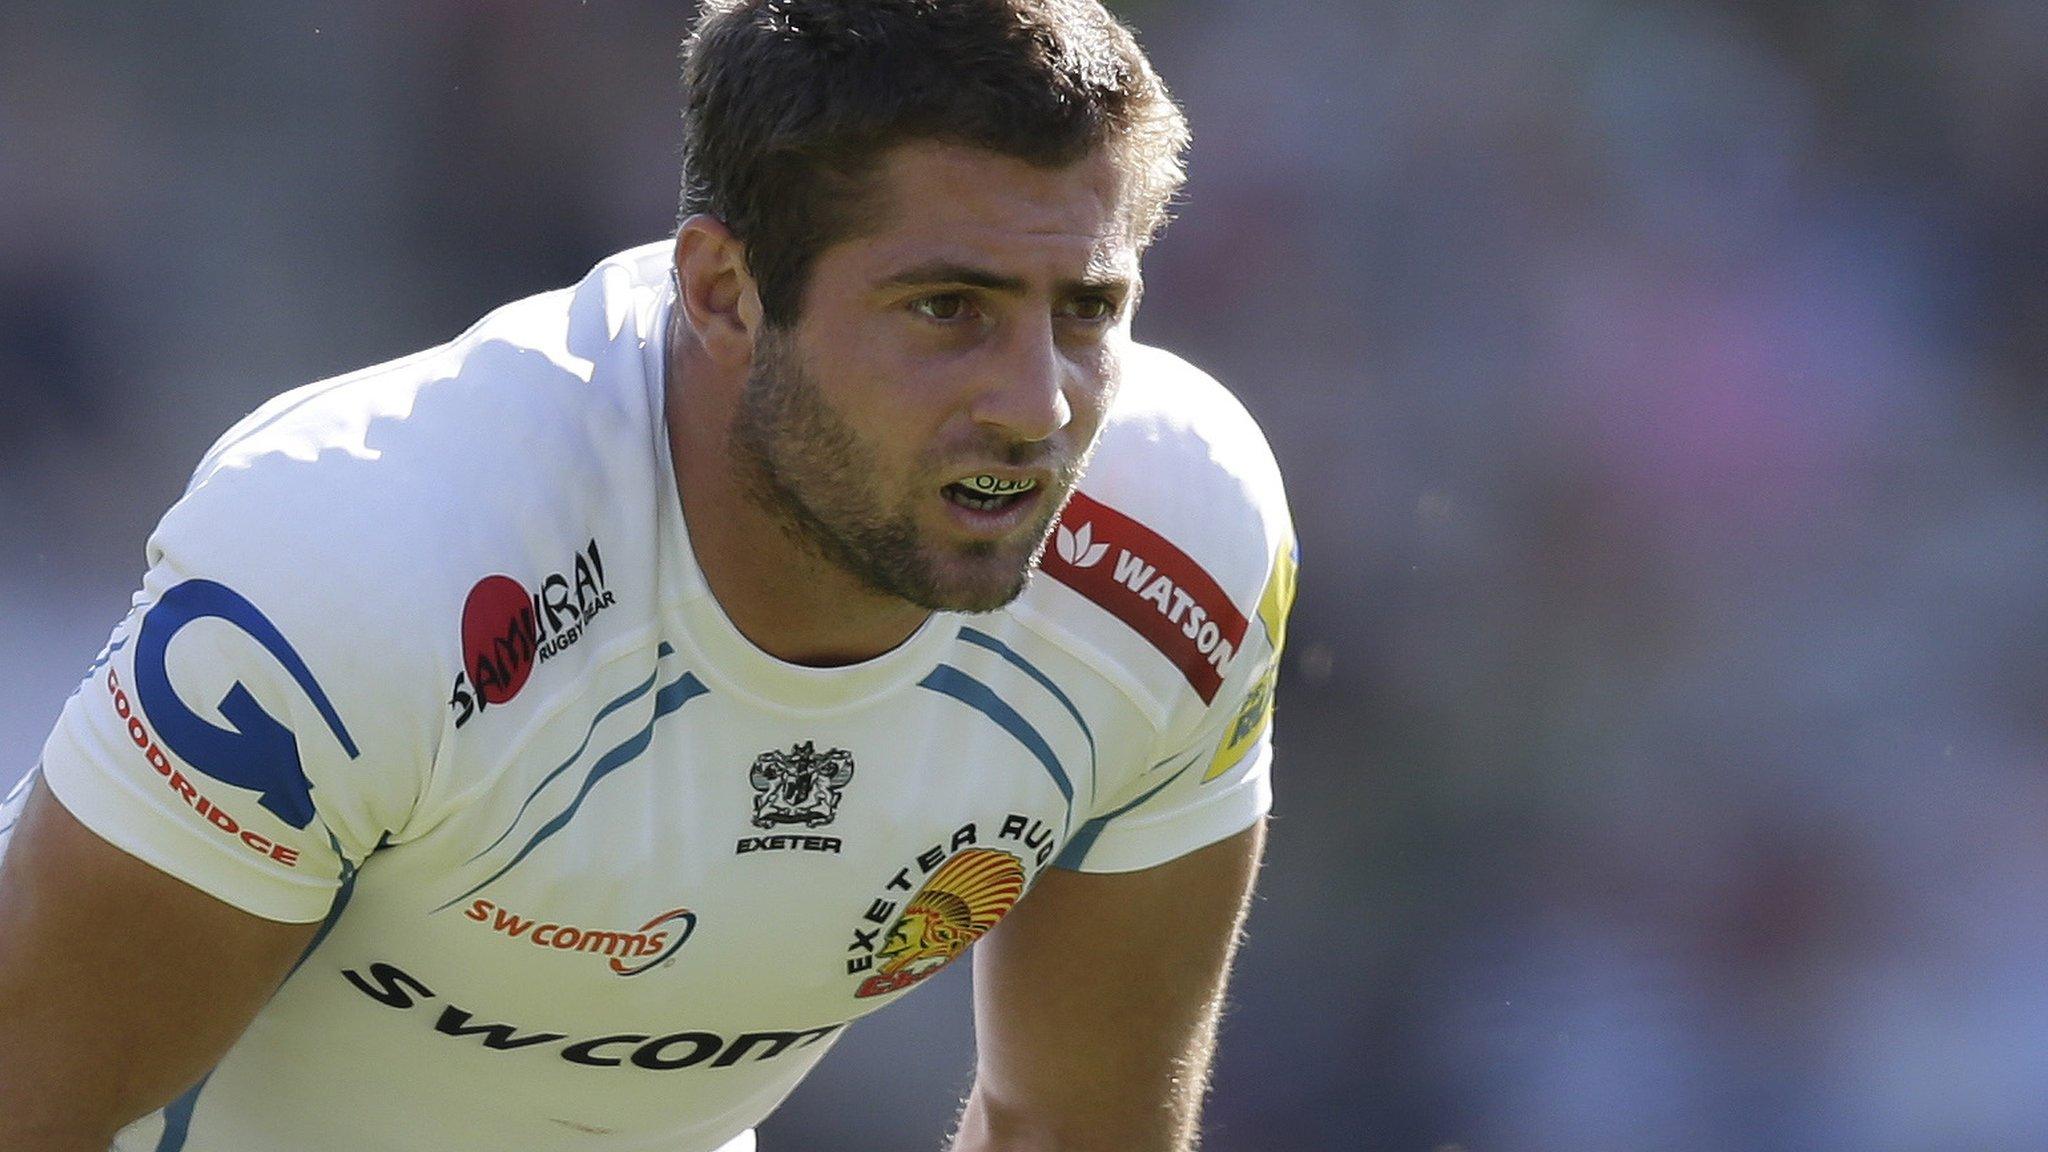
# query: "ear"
716 291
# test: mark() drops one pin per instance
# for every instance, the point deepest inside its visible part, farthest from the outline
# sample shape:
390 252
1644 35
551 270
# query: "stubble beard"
802 463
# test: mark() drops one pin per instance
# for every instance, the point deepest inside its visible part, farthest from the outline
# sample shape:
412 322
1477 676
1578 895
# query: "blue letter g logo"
257 753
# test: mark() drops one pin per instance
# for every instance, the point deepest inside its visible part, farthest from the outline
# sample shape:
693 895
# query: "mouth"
992 506
987 492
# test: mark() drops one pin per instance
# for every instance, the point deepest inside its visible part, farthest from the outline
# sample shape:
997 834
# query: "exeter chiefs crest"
961 901
800 786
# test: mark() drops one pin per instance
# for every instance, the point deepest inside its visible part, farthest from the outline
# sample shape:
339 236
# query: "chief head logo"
961 901
255 751
1078 547
800 786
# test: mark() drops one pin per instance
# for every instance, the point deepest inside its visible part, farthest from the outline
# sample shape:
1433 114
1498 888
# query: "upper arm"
120 986
197 804
1096 1000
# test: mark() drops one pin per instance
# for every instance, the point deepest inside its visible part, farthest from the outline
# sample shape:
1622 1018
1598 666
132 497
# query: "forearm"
985 1126
977 1131
30 1137
1092 1036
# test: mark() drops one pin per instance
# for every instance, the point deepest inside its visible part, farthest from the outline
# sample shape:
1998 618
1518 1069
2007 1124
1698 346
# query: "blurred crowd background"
1664 733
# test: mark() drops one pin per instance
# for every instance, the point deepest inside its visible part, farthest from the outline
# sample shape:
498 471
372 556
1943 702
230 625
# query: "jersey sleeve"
1214 779
242 730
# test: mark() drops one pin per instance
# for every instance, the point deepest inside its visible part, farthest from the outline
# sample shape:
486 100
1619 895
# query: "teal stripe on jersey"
98 662
21 786
631 694
950 681
101 661
1077 849
672 696
178 1113
178 1117
984 640
340 905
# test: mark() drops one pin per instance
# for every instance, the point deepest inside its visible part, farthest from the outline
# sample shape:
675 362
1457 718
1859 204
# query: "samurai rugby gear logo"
967 888
801 786
507 631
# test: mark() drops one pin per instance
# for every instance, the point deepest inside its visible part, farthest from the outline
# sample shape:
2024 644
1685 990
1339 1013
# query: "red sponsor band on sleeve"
1141 578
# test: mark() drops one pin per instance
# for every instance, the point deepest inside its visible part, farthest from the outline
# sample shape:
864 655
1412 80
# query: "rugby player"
553 739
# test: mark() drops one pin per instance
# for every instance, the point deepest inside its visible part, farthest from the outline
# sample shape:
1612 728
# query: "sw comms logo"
507 632
626 953
395 988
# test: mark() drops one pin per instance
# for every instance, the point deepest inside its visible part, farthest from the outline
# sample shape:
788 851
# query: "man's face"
928 415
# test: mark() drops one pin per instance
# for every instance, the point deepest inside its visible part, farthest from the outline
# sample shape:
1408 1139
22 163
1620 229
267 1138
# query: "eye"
943 307
1092 309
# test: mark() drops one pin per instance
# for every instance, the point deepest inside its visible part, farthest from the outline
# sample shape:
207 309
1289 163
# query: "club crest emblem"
800 786
961 901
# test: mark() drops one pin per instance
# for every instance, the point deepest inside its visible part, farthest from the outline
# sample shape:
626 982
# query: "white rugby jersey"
423 654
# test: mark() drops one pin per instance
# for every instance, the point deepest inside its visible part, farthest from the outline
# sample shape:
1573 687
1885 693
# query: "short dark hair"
790 105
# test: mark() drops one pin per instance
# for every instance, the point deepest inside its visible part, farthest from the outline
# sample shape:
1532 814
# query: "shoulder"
1180 452
539 411
370 504
1158 564
568 365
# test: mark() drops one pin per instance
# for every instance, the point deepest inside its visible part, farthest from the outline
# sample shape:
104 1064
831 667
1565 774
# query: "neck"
784 598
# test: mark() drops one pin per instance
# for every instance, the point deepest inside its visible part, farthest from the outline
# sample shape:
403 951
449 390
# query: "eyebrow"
948 272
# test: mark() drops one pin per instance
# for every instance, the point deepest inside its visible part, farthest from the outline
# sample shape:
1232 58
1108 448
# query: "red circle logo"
499 638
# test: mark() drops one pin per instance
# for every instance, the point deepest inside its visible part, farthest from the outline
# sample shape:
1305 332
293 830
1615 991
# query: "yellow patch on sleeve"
1278 599
1256 712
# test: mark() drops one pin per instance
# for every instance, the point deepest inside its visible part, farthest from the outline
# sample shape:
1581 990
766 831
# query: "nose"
1024 395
